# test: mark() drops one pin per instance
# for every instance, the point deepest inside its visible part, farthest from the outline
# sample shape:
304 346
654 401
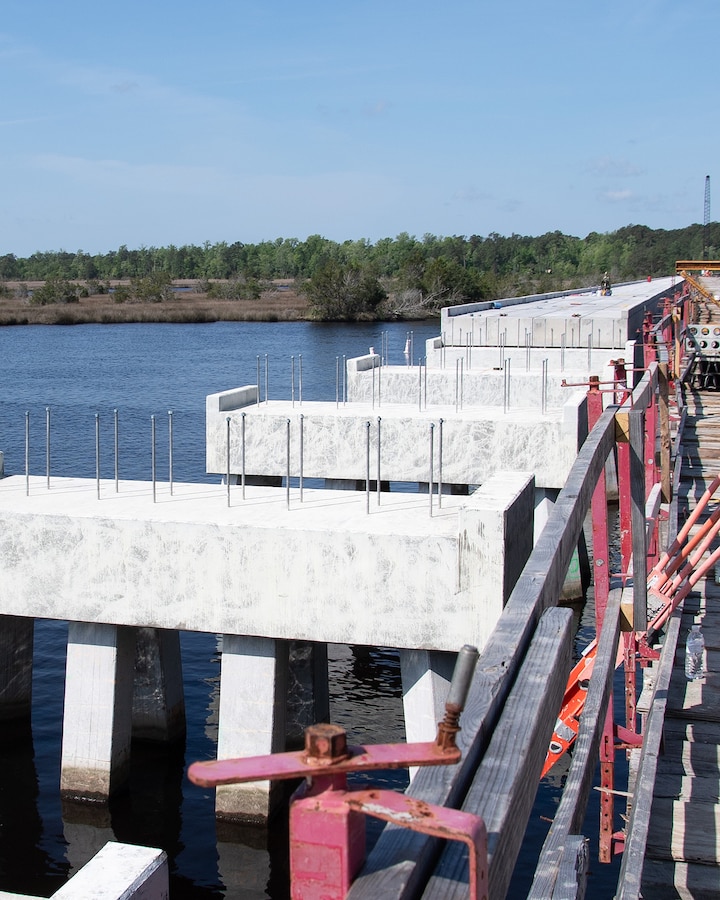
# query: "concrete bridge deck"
336 567
472 444
567 318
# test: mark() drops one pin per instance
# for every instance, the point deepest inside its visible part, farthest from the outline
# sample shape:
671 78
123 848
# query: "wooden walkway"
683 848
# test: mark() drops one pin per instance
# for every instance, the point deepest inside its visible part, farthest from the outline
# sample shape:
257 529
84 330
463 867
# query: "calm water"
143 370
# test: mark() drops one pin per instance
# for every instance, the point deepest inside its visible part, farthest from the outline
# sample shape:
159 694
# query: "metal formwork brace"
327 828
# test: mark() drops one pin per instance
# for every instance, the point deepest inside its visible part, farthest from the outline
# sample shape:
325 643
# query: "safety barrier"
520 678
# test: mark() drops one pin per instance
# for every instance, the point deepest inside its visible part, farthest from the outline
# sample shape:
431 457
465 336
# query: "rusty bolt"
325 744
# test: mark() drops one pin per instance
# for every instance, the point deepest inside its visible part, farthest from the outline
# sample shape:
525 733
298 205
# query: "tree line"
354 278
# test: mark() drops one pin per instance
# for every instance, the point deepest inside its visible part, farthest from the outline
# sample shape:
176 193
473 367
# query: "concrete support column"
158 712
253 692
16 656
98 711
426 678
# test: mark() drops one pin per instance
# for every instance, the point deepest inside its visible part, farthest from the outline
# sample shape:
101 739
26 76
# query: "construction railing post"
639 540
665 438
601 540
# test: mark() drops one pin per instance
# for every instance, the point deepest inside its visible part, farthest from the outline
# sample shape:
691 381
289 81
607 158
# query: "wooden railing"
522 673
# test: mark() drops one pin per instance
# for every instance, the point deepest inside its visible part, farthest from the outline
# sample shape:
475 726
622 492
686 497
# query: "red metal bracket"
327 828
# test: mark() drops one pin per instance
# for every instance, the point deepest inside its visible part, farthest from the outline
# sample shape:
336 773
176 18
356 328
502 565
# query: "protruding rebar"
258 381
152 455
457 384
367 468
300 378
589 351
337 381
425 383
292 380
373 384
378 460
242 453
544 385
302 453
344 379
420 384
47 444
506 385
97 453
267 378
462 382
170 450
563 343
287 464
430 467
27 453
227 457
440 463
116 434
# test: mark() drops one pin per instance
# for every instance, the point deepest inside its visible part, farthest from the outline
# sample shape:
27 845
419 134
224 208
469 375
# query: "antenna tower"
706 220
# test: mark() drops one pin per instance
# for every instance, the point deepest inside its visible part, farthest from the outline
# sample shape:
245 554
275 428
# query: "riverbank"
281 303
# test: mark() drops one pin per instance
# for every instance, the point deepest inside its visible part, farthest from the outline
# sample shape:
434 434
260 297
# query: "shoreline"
187 306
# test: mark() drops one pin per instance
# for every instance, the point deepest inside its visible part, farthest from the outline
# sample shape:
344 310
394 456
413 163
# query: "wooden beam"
506 783
571 810
401 860
630 880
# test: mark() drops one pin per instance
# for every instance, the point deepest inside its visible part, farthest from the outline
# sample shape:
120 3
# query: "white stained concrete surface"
476 442
120 872
552 320
472 387
323 570
116 872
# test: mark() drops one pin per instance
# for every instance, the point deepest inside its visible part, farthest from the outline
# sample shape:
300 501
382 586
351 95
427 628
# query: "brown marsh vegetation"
279 302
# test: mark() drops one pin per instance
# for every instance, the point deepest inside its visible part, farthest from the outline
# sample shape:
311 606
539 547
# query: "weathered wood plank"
698 700
687 757
642 395
506 783
664 880
684 831
571 811
674 785
574 866
692 732
401 861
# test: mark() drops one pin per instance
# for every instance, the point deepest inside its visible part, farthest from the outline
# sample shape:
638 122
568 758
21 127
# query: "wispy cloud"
617 196
609 167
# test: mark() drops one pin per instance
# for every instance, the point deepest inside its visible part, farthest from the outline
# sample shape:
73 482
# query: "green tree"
338 292
56 290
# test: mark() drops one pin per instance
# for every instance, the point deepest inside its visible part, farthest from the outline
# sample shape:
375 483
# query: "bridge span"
270 567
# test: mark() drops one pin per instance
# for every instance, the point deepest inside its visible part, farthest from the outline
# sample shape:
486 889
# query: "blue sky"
154 123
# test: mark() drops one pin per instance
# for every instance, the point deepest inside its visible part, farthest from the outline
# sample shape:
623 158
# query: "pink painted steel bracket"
327 828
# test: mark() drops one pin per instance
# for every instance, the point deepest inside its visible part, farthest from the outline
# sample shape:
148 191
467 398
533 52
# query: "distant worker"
605 289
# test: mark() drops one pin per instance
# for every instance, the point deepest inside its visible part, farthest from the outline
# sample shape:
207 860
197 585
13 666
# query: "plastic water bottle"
694 652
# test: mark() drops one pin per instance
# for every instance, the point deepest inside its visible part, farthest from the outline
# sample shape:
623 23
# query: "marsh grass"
188 307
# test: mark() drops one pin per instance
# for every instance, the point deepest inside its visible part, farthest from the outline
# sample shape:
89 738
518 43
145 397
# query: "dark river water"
143 370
